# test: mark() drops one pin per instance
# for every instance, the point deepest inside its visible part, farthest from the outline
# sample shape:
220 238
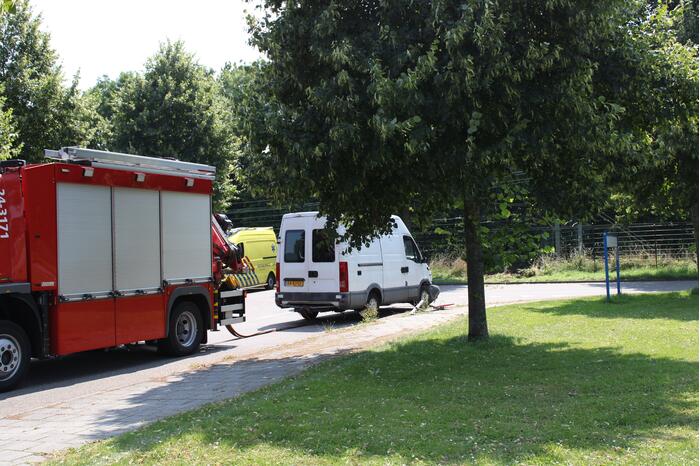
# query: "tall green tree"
47 114
239 84
373 106
6 6
8 134
175 109
659 177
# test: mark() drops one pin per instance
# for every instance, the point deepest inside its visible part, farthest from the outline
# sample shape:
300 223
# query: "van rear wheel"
14 354
372 302
307 314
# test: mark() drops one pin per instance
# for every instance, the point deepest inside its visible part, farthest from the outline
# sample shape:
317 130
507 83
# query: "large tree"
175 109
47 114
239 85
8 134
659 176
373 106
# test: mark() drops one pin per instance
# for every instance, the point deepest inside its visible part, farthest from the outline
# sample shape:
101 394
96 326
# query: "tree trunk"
478 329
694 216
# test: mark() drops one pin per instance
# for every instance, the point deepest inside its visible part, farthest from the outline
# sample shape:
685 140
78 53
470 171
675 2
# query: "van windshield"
294 246
323 247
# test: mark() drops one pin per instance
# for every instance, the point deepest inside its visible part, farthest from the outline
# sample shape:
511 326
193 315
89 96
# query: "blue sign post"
610 241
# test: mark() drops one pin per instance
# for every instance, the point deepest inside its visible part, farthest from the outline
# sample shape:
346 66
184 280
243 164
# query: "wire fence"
667 239
444 235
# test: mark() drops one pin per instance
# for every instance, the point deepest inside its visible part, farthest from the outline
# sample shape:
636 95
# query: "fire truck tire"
185 331
14 354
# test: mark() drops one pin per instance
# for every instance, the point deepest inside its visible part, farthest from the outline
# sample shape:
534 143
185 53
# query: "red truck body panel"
139 318
82 325
13 262
40 212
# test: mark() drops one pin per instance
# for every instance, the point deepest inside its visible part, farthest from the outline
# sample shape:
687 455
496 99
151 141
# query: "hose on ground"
235 333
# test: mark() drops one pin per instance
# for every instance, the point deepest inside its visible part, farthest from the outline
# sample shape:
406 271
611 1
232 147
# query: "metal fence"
664 239
445 235
657 239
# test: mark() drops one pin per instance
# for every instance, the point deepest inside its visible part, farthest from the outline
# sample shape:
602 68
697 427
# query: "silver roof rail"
120 161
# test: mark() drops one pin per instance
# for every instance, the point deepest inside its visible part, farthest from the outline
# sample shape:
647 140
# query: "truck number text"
4 225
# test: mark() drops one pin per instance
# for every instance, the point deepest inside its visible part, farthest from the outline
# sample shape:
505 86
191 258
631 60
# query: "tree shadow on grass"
673 306
441 400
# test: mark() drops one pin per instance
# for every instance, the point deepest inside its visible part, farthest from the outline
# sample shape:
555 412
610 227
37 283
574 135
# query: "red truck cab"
101 249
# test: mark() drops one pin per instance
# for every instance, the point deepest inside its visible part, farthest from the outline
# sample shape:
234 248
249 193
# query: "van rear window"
294 246
323 247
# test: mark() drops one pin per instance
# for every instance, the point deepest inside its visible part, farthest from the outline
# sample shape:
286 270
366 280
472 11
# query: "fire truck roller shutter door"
136 217
185 235
84 230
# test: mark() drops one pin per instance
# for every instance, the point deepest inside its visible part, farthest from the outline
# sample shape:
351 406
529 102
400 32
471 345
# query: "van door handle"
404 269
313 274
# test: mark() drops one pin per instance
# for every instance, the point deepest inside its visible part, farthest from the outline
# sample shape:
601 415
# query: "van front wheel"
423 294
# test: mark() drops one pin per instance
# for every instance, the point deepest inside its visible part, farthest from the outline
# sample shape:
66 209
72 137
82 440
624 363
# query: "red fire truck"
100 249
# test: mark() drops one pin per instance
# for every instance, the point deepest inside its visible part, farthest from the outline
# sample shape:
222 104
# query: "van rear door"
293 256
323 272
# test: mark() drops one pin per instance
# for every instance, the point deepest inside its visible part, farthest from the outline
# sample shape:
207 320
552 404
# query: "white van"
315 276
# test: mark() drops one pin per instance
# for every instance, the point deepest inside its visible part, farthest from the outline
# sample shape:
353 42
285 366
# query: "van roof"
315 214
300 214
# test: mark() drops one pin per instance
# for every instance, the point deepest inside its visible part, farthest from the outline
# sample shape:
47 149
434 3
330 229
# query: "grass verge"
572 382
575 269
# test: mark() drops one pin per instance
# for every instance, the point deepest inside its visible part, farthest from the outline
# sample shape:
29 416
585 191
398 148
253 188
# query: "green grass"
570 382
577 269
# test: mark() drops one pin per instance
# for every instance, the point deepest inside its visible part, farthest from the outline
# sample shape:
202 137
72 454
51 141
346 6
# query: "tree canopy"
430 104
658 177
175 109
46 113
9 146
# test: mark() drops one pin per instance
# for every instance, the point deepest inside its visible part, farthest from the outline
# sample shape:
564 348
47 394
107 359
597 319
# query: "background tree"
372 106
8 134
240 87
174 110
659 176
46 113
6 6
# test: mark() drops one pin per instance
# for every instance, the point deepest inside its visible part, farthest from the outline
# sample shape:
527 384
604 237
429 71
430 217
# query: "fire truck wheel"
14 354
270 284
186 330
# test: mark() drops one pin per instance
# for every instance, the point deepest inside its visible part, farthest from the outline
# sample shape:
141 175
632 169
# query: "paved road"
71 400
